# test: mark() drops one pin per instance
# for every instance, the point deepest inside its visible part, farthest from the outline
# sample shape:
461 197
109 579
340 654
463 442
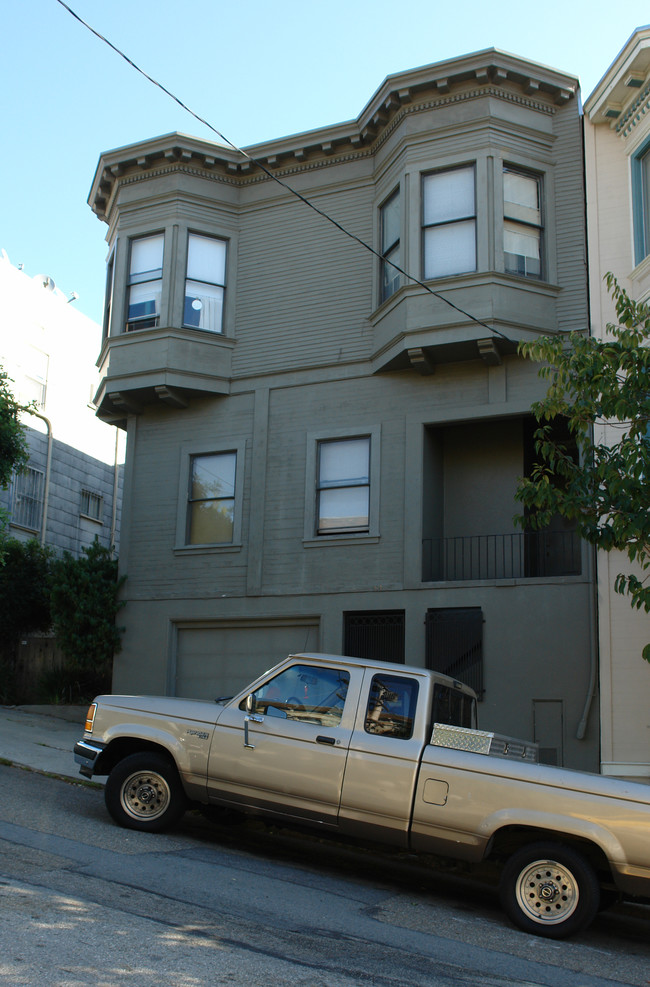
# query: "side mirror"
250 703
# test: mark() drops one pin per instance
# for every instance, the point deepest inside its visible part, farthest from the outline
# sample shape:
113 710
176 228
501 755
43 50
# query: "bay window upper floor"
484 232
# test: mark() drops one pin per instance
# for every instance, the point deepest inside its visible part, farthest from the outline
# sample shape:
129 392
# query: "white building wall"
623 632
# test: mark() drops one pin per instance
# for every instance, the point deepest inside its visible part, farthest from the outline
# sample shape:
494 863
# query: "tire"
144 792
549 890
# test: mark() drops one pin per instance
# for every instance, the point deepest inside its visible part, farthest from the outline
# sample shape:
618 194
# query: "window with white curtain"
145 282
205 283
522 223
449 222
343 485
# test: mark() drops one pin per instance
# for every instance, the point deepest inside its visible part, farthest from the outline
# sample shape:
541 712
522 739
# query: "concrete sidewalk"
42 737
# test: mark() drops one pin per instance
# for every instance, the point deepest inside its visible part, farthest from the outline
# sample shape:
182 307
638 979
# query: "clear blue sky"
254 70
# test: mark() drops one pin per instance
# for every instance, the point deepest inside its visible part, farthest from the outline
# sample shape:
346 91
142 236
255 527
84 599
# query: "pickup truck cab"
382 752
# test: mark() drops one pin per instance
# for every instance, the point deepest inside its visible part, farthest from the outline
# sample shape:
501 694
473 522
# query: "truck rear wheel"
144 792
549 890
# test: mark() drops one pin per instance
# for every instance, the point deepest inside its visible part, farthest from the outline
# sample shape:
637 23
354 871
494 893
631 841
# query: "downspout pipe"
48 470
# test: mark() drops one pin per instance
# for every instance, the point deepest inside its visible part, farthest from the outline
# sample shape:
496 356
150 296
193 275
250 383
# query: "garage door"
219 659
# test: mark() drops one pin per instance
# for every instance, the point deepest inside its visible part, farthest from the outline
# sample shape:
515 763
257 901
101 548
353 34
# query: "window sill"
328 541
231 547
88 517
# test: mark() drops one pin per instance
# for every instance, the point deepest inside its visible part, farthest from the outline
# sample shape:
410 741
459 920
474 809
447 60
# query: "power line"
279 181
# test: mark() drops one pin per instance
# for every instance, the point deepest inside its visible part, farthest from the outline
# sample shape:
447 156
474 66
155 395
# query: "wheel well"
511 838
118 749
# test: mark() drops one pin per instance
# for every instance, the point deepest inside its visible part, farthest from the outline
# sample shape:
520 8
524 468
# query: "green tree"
84 601
24 604
606 490
14 451
13 442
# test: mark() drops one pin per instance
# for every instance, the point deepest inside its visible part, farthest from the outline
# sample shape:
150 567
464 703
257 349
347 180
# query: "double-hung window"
522 223
449 221
343 486
641 203
389 215
205 283
145 282
211 500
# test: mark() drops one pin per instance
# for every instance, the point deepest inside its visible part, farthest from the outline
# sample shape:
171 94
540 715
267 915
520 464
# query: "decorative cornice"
628 121
239 176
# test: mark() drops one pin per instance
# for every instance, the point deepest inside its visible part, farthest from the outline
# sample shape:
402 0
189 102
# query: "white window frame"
311 537
189 452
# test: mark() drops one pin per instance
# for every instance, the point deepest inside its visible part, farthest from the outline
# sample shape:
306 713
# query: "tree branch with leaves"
606 490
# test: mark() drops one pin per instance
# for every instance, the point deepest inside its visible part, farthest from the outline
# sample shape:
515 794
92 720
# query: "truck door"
284 748
384 757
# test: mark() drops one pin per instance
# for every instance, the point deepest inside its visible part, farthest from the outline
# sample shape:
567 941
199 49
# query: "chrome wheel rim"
145 795
547 892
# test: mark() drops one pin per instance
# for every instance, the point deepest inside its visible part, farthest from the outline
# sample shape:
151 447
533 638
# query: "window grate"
454 644
27 507
376 634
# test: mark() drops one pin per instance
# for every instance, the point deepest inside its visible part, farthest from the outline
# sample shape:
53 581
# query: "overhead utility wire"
279 181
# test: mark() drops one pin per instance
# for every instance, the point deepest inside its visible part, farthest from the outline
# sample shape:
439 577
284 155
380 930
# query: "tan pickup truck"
388 753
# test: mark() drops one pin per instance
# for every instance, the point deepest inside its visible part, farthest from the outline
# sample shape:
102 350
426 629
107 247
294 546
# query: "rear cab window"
392 703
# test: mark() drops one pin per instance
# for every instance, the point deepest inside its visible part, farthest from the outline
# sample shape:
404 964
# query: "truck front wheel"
144 792
549 890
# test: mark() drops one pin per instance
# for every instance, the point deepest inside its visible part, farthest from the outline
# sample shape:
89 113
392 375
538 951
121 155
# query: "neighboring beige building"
323 455
70 491
617 152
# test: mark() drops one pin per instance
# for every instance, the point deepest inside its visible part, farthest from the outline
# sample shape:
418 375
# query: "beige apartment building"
617 151
323 449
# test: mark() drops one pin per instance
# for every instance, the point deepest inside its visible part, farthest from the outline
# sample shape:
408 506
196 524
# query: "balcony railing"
520 555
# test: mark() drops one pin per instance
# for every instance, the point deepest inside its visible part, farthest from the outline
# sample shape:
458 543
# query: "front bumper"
86 753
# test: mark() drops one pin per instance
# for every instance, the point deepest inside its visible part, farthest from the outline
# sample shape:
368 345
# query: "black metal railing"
520 555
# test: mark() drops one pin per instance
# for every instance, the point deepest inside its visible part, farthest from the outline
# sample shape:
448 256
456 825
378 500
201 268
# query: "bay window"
390 221
449 222
522 223
145 282
205 283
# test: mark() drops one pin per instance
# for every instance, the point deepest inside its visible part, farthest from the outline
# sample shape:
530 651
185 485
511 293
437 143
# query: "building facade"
617 152
323 452
71 489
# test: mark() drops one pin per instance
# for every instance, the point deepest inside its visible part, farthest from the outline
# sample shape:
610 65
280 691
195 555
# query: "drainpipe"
116 474
48 468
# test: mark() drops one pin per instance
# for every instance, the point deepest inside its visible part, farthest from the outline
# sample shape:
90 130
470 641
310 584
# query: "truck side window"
391 706
306 693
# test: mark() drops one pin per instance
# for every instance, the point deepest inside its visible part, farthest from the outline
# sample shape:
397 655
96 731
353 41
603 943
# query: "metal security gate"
377 634
454 644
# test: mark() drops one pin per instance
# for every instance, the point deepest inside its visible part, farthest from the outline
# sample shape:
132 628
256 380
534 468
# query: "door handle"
325 740
250 718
